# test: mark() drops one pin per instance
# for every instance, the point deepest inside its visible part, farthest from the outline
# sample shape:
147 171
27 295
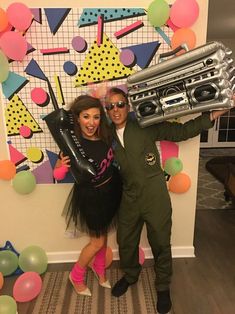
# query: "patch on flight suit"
150 159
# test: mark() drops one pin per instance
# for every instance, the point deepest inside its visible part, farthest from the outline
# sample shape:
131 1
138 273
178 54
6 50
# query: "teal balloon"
33 258
24 182
7 305
173 166
4 66
158 13
8 262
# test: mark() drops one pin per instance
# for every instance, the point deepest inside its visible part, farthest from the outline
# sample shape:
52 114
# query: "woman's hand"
63 161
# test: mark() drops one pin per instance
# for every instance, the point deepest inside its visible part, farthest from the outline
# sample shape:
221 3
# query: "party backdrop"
69 52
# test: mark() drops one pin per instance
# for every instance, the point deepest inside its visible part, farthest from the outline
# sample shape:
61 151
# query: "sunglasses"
119 104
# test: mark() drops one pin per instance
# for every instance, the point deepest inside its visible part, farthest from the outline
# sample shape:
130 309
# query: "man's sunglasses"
119 104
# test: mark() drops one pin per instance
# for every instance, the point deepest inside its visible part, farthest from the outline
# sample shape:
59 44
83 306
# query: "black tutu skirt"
92 209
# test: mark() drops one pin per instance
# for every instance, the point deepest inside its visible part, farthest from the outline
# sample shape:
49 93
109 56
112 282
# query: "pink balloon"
13 45
60 172
27 287
19 16
184 13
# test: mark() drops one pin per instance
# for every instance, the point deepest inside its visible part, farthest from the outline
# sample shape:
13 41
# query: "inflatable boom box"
199 80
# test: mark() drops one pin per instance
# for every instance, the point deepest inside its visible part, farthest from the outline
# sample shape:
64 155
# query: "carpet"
58 297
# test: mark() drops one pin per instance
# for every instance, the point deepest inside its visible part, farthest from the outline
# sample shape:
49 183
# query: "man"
145 196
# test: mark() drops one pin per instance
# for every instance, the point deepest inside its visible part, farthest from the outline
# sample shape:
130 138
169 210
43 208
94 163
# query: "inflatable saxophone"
201 79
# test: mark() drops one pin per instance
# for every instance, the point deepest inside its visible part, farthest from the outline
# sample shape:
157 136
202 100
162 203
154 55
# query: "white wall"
35 219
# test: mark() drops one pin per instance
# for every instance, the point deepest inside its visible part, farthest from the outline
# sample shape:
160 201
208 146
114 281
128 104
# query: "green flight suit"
145 196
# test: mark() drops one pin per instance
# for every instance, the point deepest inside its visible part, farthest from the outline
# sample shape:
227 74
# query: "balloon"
19 15
24 182
33 258
4 66
184 13
3 20
7 169
141 256
60 172
1 280
13 45
27 287
158 13
180 183
8 262
7 305
173 166
182 36
108 257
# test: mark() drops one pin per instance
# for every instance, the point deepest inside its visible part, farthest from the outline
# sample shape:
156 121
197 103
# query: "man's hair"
115 91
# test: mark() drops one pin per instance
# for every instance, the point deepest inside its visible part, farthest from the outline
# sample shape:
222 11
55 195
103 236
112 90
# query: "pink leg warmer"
99 261
78 273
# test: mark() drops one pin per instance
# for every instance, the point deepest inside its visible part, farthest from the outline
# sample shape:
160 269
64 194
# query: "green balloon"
4 66
8 262
7 305
173 166
24 182
33 258
158 13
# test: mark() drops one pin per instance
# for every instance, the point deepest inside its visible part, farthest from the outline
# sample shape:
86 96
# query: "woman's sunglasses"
119 104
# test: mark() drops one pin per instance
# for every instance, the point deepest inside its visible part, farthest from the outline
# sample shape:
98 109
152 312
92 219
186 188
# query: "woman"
92 205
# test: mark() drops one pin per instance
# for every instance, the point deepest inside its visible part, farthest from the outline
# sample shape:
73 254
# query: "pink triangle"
15 156
44 173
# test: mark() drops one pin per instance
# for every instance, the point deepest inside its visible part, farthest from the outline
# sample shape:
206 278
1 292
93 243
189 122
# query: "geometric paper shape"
34 154
55 18
13 84
37 15
163 35
16 115
25 131
59 91
44 173
168 150
102 63
90 16
100 30
39 95
128 29
34 69
79 44
70 68
144 53
30 48
15 156
51 51
127 57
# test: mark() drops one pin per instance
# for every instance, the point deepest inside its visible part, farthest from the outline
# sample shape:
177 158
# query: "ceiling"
221 19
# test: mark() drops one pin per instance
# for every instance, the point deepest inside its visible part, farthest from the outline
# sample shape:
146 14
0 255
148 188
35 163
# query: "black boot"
120 287
163 301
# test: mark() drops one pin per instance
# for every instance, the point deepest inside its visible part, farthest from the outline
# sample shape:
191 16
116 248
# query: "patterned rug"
210 192
58 296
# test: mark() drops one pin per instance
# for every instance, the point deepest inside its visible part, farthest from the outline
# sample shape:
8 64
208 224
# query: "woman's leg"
98 264
87 254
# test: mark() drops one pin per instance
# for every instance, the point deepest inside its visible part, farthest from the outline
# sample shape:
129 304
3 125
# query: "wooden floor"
201 285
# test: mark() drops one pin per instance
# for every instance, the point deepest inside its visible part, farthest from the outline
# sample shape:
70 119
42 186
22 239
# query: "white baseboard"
72 256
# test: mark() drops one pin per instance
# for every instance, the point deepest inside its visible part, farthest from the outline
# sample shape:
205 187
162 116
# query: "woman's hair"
85 102
115 91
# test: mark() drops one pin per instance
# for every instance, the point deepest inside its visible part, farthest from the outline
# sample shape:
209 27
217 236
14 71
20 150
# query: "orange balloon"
180 183
183 36
7 170
108 257
1 280
3 20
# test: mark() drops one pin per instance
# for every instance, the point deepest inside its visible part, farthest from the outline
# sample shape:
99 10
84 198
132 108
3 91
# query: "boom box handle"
183 46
